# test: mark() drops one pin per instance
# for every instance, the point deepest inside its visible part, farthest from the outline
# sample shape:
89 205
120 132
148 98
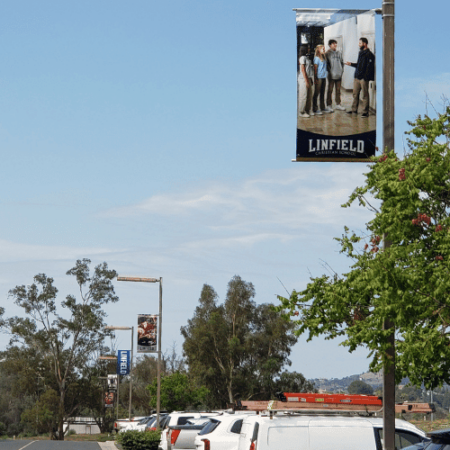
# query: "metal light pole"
112 358
158 373
110 327
388 14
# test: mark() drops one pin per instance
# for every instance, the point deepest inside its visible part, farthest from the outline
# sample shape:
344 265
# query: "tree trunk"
230 391
61 416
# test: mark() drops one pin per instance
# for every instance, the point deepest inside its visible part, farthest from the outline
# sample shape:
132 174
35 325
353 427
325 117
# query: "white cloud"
15 251
413 92
275 204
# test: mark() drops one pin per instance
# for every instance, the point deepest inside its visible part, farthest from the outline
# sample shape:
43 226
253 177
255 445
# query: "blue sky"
158 136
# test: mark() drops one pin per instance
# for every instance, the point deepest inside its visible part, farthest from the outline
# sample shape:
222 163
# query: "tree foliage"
43 416
408 282
360 387
178 393
293 382
60 338
145 371
236 349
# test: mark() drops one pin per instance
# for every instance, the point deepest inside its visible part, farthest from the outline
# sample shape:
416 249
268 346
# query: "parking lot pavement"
55 445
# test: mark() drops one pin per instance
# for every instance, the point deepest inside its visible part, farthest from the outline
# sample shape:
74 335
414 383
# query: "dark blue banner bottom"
319 147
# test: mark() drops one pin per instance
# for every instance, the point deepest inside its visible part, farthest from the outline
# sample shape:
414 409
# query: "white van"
315 432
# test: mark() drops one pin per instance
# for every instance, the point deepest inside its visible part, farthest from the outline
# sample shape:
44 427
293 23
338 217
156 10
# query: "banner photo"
109 399
123 362
147 333
112 383
336 86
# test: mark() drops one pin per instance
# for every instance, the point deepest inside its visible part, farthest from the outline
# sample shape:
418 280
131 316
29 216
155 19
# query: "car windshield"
150 421
142 421
209 427
199 421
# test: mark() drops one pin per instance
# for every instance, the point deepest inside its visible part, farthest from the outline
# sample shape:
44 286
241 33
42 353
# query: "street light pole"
109 327
158 370
388 14
158 389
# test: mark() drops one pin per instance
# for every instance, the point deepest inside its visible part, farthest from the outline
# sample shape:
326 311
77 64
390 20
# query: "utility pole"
388 14
153 280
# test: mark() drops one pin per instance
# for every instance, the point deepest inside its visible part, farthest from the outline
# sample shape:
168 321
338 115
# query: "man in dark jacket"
365 72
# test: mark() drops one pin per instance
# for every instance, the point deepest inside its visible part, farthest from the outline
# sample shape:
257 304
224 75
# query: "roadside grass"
439 424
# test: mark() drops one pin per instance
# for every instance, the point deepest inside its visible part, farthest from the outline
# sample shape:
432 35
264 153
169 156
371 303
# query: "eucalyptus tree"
238 348
62 335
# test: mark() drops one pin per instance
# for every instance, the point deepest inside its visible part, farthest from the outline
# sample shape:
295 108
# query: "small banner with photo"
147 333
112 383
336 86
109 399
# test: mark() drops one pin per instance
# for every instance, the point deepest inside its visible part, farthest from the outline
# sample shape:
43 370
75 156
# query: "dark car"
440 440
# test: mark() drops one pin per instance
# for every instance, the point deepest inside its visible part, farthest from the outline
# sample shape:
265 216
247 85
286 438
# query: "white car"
180 418
120 424
221 433
318 432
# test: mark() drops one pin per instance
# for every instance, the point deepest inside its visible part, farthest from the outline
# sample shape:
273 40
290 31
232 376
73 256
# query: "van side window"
236 428
255 432
402 438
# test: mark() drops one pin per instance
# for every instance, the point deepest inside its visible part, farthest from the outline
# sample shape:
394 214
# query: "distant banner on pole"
147 333
123 362
109 399
112 382
336 85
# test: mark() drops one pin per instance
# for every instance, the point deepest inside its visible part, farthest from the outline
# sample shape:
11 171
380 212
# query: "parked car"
119 424
182 437
163 420
440 440
220 433
179 418
315 432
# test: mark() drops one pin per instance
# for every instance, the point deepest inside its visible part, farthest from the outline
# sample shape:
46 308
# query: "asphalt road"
54 445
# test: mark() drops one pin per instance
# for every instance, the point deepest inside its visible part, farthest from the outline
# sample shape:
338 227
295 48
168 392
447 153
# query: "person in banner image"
364 73
147 332
305 84
335 66
320 79
109 398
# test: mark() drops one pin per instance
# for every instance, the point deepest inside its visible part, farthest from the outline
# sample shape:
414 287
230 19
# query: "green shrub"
139 440
71 432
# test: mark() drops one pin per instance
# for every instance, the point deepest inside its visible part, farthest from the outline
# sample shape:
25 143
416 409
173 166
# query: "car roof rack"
319 403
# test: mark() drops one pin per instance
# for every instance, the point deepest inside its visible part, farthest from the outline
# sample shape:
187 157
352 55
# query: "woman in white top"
305 84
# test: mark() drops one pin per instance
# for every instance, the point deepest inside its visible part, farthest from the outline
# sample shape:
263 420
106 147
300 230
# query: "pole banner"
109 399
147 333
123 362
112 382
336 86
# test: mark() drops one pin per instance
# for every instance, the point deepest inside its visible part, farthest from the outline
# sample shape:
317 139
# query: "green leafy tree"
177 393
407 283
293 382
360 387
237 348
144 373
64 340
43 416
